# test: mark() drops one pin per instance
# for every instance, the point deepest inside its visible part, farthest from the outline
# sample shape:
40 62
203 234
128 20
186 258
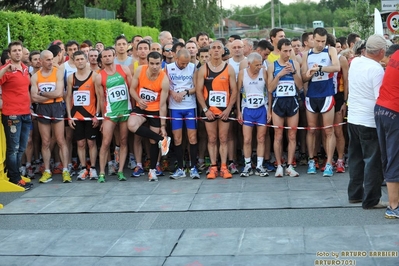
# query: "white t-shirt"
365 79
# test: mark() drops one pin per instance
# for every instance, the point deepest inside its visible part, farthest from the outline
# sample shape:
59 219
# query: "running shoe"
247 171
121 176
158 170
57 169
311 167
22 170
328 170
138 171
225 173
279 171
316 162
164 145
66 177
71 168
131 164
340 166
269 166
303 160
201 167
152 176
101 178
112 170
24 185
260 171
46 177
178 174
233 169
213 172
83 174
290 171
392 214
194 173
30 172
93 174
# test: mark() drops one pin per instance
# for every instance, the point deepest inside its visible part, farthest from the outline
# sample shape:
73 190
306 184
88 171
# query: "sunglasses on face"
168 50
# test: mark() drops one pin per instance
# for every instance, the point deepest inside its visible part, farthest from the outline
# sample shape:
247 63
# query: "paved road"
242 221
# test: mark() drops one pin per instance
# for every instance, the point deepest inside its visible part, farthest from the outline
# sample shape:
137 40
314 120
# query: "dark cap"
226 52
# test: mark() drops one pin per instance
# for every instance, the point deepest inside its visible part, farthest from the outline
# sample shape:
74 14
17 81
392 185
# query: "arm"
238 103
128 75
98 102
335 66
297 77
99 93
199 89
304 69
271 80
269 96
68 102
163 106
345 69
59 86
35 97
133 87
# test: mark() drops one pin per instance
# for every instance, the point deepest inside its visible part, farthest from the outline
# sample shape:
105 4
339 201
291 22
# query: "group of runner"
218 81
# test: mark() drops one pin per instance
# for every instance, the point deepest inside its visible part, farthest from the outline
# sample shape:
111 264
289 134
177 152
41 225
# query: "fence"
96 13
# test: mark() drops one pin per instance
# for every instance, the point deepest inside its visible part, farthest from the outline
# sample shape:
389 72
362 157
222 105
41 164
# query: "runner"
216 93
182 105
283 79
150 88
254 106
47 89
81 102
113 90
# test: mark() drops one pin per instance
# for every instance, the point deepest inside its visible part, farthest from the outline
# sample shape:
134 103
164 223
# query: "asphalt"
305 220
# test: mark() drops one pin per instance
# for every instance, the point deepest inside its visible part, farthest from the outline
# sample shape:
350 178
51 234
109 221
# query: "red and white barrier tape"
190 118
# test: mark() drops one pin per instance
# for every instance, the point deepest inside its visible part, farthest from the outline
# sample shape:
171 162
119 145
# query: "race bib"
148 95
319 76
255 100
117 94
47 87
218 98
285 88
81 98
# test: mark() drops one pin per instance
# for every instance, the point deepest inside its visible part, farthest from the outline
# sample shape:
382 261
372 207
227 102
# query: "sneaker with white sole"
194 173
152 175
290 171
82 175
233 169
392 213
93 174
279 171
247 171
328 170
178 174
260 171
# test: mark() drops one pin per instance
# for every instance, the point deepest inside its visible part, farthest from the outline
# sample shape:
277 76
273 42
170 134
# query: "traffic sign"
393 21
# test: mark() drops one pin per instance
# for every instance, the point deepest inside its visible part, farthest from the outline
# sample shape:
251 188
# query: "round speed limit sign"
393 21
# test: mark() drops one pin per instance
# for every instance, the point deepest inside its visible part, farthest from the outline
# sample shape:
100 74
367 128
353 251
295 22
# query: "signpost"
389 5
393 21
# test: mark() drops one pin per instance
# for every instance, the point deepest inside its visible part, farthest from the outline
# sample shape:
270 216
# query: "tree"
362 22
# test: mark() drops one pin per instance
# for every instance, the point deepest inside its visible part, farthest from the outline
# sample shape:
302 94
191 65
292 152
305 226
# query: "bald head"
45 53
183 53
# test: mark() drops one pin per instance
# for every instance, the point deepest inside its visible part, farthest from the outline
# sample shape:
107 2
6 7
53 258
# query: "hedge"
37 32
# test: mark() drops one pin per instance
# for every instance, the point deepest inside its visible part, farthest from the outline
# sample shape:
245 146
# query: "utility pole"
221 18
272 8
138 13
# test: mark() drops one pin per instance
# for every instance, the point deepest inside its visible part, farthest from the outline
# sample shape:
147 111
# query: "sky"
229 3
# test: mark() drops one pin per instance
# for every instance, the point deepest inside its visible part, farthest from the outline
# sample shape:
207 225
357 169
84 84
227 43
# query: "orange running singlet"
150 90
217 89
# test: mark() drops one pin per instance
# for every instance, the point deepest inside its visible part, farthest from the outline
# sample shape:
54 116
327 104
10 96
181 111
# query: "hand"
312 70
210 115
269 117
225 114
71 123
10 67
343 110
142 104
239 118
95 122
178 96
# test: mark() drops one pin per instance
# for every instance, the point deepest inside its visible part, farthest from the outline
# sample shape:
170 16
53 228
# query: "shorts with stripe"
256 115
285 106
183 113
154 122
339 101
319 105
55 110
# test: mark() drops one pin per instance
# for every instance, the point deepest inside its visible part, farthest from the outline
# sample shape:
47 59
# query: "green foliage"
362 23
37 32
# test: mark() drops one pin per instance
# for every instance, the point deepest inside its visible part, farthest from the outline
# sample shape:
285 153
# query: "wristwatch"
187 92
320 67
205 110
